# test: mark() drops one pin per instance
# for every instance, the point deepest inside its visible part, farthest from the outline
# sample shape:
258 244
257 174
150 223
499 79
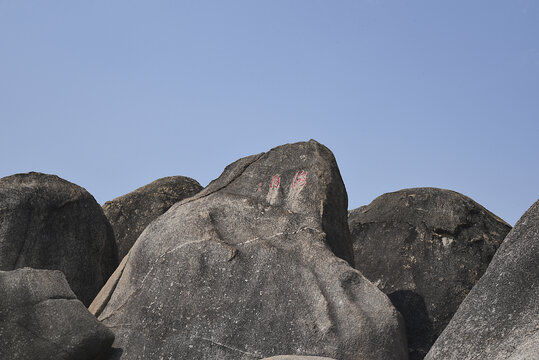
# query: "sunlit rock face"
255 265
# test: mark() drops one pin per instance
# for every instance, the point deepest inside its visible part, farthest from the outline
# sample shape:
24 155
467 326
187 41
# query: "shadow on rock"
416 317
114 354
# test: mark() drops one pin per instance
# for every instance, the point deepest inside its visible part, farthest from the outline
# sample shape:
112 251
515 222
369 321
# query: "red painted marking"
275 182
259 189
300 179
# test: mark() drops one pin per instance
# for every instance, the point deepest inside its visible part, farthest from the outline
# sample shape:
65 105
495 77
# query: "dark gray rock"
295 357
131 213
49 223
499 319
246 269
426 248
41 319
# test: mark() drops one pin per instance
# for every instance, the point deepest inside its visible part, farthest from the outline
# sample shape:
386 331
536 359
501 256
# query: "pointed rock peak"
246 269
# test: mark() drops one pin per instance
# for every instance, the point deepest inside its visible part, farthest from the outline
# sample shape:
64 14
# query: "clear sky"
112 95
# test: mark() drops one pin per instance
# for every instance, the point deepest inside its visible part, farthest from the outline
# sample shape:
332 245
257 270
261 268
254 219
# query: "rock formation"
246 269
426 248
41 319
131 213
49 223
294 357
499 319
265 261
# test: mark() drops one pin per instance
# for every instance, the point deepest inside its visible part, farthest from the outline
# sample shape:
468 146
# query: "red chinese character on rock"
275 182
300 179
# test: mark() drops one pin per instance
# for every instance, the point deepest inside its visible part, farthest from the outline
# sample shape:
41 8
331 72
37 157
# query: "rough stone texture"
131 213
103 297
41 319
246 269
49 223
426 248
294 357
499 319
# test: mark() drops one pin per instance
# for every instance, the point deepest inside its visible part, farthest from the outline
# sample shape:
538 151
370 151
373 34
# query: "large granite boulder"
49 223
499 319
425 248
131 213
41 319
246 269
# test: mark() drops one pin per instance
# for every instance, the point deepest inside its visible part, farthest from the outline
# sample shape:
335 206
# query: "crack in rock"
157 261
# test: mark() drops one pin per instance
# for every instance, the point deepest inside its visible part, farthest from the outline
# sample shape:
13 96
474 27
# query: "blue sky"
114 94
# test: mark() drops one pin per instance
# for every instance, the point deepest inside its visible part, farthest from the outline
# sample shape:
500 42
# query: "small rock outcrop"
130 214
49 223
499 319
41 319
247 269
425 248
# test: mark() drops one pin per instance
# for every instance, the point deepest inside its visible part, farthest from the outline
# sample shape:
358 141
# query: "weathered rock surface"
103 297
41 319
426 248
246 269
499 319
49 223
131 213
294 357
